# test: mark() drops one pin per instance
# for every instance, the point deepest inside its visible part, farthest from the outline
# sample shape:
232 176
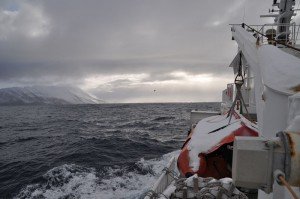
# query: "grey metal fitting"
276 174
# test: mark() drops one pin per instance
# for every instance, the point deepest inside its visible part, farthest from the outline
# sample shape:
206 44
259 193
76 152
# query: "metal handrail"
294 30
289 42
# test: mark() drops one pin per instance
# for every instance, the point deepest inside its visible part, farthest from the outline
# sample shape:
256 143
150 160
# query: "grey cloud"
66 41
126 92
157 69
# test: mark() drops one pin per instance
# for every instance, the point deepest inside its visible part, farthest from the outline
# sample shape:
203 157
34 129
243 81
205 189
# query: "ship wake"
74 181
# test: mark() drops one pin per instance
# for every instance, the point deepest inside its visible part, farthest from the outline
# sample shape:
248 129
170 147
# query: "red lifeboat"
207 150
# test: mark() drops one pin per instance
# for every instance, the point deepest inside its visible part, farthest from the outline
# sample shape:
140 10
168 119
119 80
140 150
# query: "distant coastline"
40 95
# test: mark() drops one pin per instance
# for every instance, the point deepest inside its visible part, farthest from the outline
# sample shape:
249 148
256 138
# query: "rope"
222 127
274 40
161 194
207 188
288 186
172 174
151 194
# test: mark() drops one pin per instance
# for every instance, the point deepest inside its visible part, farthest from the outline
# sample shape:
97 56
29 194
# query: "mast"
283 19
286 11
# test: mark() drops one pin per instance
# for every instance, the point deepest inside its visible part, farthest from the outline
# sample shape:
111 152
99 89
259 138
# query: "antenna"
275 3
297 9
284 13
244 14
283 17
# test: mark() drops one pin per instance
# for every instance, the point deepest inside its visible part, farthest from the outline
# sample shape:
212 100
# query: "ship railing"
267 33
166 178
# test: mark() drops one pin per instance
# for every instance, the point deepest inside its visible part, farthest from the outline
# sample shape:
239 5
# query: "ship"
251 147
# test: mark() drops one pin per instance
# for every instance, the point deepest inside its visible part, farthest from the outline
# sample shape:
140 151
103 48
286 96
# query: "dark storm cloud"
69 41
157 68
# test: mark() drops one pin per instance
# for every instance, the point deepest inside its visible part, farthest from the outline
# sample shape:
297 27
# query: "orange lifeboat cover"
206 169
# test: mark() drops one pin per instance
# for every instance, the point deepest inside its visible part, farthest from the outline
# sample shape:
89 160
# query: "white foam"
79 182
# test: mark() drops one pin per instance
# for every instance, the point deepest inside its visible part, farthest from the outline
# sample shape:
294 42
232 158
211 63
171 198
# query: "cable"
288 186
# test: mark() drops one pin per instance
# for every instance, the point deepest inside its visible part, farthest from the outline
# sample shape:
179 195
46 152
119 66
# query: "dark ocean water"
89 151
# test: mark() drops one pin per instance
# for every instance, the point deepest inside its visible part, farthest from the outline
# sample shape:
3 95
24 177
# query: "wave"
27 129
163 118
74 181
26 139
3 143
135 124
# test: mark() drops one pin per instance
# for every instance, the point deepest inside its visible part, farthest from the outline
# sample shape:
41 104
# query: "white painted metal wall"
275 72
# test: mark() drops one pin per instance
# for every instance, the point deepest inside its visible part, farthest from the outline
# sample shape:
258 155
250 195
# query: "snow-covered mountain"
46 95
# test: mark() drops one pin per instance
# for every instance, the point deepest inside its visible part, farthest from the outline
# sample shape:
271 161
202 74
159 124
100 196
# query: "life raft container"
216 161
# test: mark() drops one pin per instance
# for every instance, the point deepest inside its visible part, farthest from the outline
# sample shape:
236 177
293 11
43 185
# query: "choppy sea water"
89 151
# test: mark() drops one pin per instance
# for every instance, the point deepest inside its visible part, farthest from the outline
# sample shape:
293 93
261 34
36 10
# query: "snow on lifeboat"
208 148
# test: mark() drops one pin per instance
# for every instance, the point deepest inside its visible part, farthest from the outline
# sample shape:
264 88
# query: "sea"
89 151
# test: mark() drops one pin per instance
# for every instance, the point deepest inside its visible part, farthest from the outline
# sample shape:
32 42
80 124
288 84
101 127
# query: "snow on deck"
202 140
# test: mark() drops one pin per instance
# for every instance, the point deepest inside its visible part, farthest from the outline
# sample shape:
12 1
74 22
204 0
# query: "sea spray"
74 181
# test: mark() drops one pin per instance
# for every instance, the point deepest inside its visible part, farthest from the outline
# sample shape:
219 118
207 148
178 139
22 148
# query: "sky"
124 50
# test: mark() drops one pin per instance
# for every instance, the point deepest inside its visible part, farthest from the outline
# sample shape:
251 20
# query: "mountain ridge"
46 95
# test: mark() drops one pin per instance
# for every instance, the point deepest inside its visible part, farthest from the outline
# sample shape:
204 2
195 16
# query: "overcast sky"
123 50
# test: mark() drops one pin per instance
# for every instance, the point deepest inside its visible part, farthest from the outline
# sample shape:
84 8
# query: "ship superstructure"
271 66
255 139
